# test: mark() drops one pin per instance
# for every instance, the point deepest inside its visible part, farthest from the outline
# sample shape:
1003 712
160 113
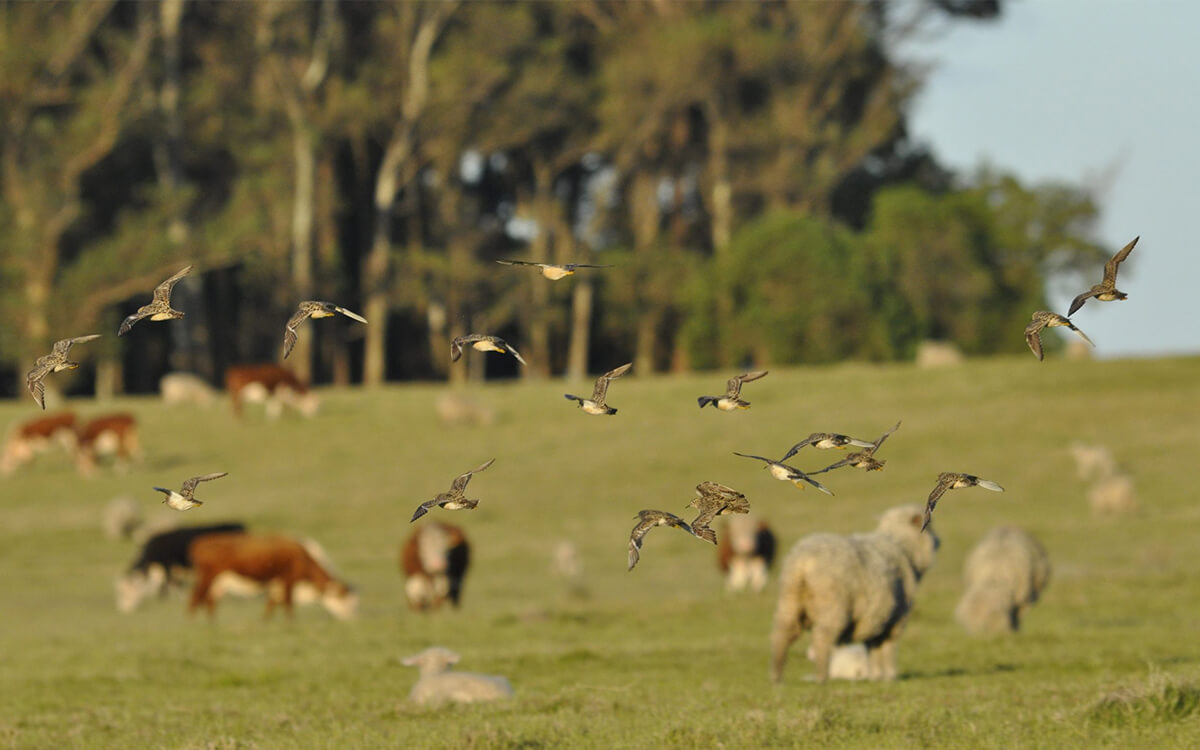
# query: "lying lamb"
438 685
1005 574
853 589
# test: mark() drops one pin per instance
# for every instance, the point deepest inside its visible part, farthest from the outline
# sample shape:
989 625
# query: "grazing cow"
36 436
162 559
109 435
273 384
271 561
434 559
745 551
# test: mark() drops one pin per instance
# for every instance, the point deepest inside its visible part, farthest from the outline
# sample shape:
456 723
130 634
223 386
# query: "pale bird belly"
727 405
554 274
162 316
780 473
592 408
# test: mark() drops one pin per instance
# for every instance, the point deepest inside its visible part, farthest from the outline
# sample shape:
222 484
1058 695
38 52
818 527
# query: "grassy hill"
660 656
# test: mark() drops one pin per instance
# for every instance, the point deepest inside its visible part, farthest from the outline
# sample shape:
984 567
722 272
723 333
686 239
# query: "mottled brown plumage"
786 473
712 500
159 307
733 392
648 519
596 404
1046 319
452 499
949 480
483 343
1106 290
55 361
864 459
311 309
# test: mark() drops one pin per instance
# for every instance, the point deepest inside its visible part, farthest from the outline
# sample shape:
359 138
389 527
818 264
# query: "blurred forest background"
745 167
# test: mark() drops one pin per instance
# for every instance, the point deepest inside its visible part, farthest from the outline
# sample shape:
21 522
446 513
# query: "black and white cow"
163 558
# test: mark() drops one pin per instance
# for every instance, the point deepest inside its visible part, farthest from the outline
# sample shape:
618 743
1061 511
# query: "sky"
1104 93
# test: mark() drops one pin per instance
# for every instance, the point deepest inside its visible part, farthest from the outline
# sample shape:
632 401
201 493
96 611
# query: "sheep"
186 388
1113 495
437 684
853 589
933 354
847 662
122 518
455 409
1093 461
1004 575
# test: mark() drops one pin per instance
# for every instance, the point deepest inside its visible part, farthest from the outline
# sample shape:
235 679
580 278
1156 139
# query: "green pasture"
657 657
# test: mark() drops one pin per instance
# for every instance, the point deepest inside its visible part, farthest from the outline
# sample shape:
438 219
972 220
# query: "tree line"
745 167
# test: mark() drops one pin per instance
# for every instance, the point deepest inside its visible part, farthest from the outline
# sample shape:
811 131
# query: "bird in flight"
786 473
1106 290
159 307
552 271
1046 319
185 499
454 498
596 404
648 519
712 500
825 441
311 309
733 392
483 343
53 362
864 459
949 480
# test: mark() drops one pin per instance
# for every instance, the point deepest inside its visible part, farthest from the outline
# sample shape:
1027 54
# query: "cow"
273 384
111 434
162 561
35 436
271 561
745 552
434 560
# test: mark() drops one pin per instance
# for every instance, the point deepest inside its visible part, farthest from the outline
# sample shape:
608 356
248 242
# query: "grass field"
656 657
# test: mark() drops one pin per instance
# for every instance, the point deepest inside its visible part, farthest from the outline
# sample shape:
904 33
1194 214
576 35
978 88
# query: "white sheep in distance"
853 589
1004 575
437 684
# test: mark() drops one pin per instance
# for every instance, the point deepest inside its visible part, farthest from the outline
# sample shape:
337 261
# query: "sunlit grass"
652 658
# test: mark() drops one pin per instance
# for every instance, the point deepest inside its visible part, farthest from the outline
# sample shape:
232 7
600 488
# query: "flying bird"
185 498
714 500
453 499
484 344
53 362
864 459
949 480
648 519
159 307
786 473
1106 290
733 392
596 404
1046 319
311 309
825 441
552 271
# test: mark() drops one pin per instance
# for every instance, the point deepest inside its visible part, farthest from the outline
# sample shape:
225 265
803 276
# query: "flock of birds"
712 499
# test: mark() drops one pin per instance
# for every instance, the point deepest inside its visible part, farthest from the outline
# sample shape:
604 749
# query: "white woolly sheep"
437 684
1004 575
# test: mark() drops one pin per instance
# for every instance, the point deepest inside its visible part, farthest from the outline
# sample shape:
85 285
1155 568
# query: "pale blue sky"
1100 92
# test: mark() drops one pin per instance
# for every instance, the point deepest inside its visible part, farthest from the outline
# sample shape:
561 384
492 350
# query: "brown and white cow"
113 435
268 383
35 436
745 552
434 559
270 561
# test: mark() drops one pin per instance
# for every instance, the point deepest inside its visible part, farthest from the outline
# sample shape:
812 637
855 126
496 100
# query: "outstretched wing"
189 485
424 508
797 474
931 503
289 330
1082 335
805 442
512 351
850 459
601 389
33 381
350 314
760 458
733 388
519 263
874 447
1033 335
162 292
1110 268
460 482
64 346
1079 300
586 265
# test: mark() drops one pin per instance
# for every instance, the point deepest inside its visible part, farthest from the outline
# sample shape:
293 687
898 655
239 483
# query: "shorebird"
595 404
53 362
733 391
648 519
483 343
452 500
714 500
824 441
184 499
1046 319
786 473
552 271
864 459
313 309
159 307
949 480
1106 290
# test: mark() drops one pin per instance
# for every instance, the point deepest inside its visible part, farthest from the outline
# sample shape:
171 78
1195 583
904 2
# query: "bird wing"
189 485
733 388
805 442
350 314
634 546
64 346
587 265
513 351
1080 299
519 263
797 474
1034 339
1110 268
460 482
33 381
289 330
760 458
988 484
456 349
852 458
875 446
601 389
162 292
1082 335
425 507
129 321
931 503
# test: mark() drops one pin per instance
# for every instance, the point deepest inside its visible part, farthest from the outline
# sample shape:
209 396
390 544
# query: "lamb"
438 685
1113 495
1004 575
853 589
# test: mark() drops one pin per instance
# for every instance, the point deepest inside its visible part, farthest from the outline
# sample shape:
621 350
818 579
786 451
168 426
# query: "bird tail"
611 410
705 533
